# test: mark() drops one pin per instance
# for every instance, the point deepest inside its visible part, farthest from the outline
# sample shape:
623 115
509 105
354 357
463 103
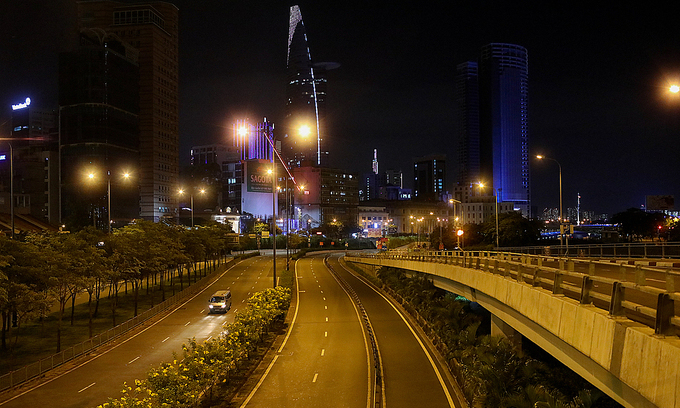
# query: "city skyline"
598 83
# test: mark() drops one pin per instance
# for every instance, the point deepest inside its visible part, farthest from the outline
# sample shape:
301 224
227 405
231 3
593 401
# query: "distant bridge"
613 322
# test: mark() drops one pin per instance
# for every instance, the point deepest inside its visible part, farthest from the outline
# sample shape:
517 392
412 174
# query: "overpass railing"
641 293
661 250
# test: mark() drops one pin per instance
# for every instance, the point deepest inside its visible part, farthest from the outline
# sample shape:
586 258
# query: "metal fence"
661 250
644 294
33 370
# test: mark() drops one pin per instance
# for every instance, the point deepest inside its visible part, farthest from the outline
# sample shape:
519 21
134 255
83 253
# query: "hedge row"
182 382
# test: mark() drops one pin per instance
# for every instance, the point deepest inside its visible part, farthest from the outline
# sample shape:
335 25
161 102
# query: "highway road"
92 382
325 360
412 376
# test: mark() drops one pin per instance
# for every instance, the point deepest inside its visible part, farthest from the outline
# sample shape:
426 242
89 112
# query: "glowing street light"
92 176
181 192
303 131
674 88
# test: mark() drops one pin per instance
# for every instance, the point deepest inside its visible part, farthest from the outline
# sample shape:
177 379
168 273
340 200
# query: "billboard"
256 190
659 202
258 180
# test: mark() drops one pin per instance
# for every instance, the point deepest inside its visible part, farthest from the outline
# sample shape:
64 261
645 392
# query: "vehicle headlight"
210 306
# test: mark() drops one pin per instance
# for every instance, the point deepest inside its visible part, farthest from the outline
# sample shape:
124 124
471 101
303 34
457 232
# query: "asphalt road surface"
324 362
92 382
412 376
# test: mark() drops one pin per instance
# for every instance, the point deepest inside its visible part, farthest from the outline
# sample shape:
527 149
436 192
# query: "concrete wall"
621 357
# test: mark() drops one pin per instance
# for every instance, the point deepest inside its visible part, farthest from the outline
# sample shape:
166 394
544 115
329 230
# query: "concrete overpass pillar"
499 327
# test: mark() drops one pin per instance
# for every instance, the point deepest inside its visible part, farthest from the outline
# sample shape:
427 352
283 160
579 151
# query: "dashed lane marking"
86 388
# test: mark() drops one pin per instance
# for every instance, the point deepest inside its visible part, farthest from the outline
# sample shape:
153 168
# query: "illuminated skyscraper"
305 97
251 139
504 132
492 123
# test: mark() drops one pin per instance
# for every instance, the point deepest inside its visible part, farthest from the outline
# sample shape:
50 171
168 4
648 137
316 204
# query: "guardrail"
40 367
644 294
662 250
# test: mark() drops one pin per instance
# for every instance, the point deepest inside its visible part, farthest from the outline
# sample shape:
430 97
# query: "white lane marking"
301 291
86 387
326 318
325 307
325 334
165 339
315 377
187 323
323 351
324 298
208 338
133 360
422 346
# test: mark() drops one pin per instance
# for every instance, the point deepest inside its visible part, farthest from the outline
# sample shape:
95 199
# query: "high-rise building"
504 132
467 122
252 141
394 178
492 123
429 178
34 173
305 98
151 28
99 131
327 194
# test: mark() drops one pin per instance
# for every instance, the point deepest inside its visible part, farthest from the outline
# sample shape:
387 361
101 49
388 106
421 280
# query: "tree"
22 282
60 265
636 224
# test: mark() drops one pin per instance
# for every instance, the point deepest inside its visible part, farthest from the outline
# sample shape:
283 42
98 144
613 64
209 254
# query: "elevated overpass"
612 322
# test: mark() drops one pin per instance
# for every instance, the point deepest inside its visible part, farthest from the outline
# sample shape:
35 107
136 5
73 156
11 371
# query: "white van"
220 301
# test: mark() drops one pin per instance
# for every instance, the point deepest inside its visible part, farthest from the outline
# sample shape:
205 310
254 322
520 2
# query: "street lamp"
11 183
181 192
303 131
92 176
541 157
496 195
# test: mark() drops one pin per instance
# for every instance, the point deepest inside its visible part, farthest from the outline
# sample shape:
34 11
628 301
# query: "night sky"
597 82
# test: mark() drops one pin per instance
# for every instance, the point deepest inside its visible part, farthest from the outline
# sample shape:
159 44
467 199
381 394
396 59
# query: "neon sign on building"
22 105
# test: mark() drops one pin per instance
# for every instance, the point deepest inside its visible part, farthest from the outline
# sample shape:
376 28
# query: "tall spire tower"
375 161
305 97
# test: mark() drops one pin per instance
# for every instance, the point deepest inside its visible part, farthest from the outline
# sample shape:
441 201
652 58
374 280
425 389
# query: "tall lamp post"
303 131
498 232
11 183
181 192
92 176
541 157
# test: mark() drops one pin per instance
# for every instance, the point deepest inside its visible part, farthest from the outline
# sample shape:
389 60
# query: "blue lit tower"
504 138
305 97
